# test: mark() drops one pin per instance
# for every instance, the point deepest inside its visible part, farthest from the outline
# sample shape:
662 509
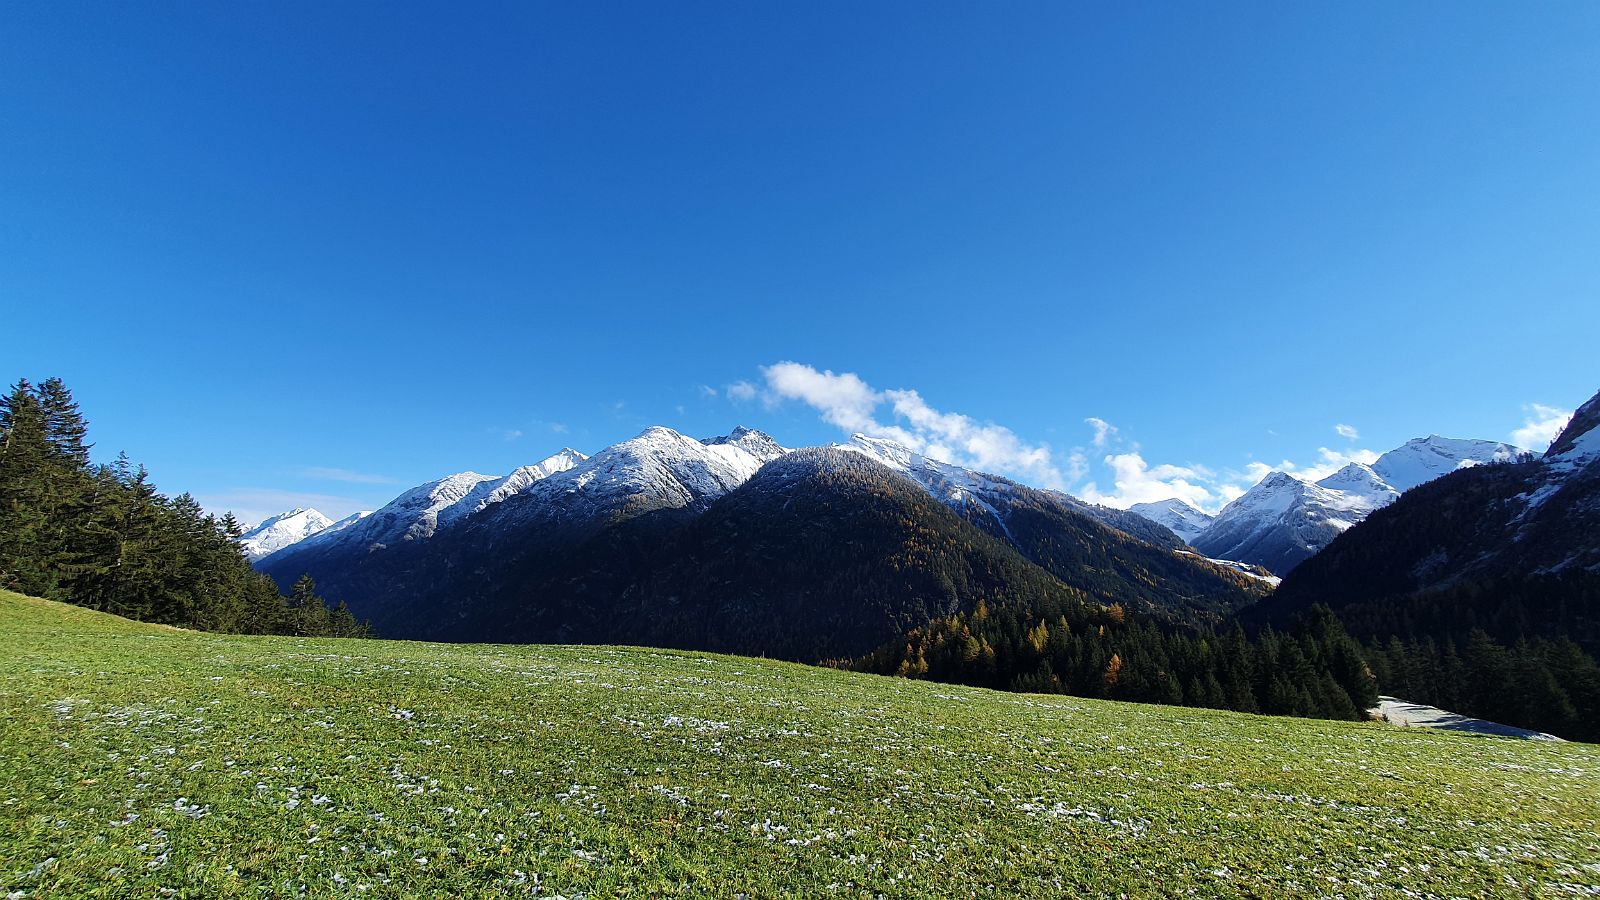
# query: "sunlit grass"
137 760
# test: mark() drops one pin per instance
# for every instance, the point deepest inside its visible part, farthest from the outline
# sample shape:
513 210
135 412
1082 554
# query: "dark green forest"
102 536
1313 669
1512 650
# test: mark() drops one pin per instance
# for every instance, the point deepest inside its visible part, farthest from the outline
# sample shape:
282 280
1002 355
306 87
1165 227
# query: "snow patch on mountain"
658 468
1361 480
1181 518
1423 459
282 530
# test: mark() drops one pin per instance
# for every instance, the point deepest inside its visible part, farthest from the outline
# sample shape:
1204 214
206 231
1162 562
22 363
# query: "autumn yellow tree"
1113 670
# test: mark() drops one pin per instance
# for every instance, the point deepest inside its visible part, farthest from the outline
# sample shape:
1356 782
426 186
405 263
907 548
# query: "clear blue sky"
322 251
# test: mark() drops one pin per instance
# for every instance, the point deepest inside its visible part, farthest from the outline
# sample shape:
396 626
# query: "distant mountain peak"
756 443
1285 518
1179 516
281 531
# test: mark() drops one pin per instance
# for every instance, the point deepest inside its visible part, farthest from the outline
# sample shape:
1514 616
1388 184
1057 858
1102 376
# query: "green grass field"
143 761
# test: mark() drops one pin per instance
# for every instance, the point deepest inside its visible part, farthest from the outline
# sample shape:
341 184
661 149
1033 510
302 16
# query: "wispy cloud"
1348 432
707 390
1540 426
1102 430
742 391
512 434
848 402
328 473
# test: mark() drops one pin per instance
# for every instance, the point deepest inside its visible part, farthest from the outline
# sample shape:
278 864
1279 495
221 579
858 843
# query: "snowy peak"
1360 479
668 465
658 469
281 531
1422 460
520 480
1177 516
1285 519
755 443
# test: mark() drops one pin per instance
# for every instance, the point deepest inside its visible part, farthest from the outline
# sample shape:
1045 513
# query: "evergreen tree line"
1539 683
102 536
1314 669
1515 650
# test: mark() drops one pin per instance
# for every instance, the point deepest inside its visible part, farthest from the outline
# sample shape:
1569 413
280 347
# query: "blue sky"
310 253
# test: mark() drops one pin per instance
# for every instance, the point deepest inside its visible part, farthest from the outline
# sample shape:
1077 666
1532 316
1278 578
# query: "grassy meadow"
143 761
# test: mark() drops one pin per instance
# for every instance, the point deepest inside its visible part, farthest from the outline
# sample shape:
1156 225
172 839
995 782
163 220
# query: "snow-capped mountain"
1362 481
458 539
420 512
1284 519
1184 520
562 555
1424 459
281 531
658 469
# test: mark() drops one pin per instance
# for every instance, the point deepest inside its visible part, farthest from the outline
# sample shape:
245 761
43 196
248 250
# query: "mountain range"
637 543
1285 519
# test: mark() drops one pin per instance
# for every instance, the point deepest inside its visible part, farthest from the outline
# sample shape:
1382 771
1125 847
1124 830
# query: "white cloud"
1102 430
707 390
1136 481
1540 426
849 403
328 473
512 434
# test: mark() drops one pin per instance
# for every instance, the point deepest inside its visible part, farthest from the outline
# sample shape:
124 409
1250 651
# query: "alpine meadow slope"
210 765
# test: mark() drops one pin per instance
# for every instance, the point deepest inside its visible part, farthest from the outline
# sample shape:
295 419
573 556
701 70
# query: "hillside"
206 765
